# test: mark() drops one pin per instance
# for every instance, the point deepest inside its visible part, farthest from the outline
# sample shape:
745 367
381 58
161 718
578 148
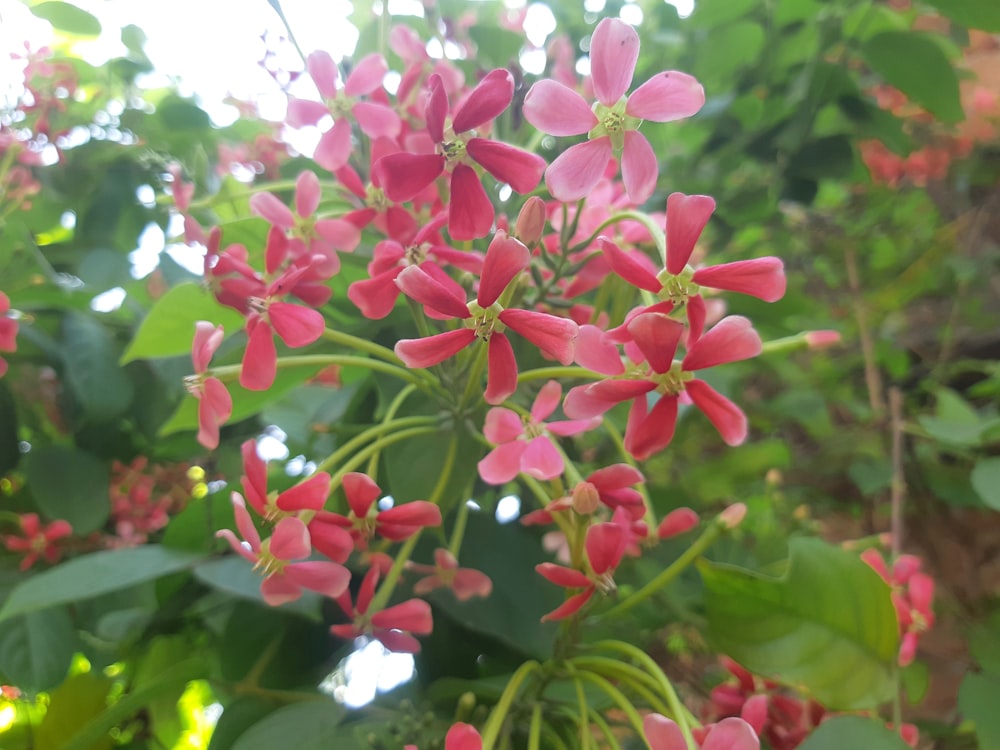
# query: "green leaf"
829 157
955 421
735 46
10 454
93 574
71 707
842 732
90 357
715 12
168 328
69 484
917 66
237 717
68 18
236 576
827 625
977 700
312 725
496 45
180 114
36 649
972 14
986 481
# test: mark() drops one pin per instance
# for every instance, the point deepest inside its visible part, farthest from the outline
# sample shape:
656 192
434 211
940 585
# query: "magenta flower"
657 337
392 626
375 119
524 445
470 211
465 583
612 125
273 557
486 319
680 284
8 331
215 405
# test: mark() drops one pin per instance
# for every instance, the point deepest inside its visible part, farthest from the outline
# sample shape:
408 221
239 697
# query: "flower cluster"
912 596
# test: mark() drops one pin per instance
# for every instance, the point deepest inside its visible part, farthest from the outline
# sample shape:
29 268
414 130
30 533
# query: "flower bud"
822 339
531 221
677 522
733 516
586 498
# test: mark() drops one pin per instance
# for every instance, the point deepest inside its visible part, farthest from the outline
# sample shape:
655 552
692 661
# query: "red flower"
485 318
465 583
215 405
470 210
8 331
37 540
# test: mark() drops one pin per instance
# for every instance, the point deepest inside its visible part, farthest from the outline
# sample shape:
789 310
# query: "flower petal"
650 433
419 285
295 324
576 171
730 340
470 212
377 120
670 95
657 337
763 278
367 75
687 216
614 50
501 379
663 733
327 578
308 495
412 616
630 269
307 193
569 607
323 70
541 460
547 401
596 352
290 540
334 147
207 338
557 109
731 733
520 169
404 175
562 576
503 463
502 426
279 589
505 258
555 336
270 208
592 400
433 349
726 416
639 167
260 360
605 545
487 100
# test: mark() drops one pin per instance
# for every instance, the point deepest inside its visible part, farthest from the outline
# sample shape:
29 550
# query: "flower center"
416 254
268 564
375 198
678 288
484 320
671 382
454 151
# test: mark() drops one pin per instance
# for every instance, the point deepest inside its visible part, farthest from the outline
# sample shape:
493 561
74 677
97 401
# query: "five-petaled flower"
729 734
391 626
37 540
612 125
215 405
465 583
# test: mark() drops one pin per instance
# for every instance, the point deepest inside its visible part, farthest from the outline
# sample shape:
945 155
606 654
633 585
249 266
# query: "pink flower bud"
531 221
822 339
733 516
677 522
586 498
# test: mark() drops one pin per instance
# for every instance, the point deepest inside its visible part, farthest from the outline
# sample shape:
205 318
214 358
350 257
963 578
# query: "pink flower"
470 211
273 557
8 331
465 583
392 626
605 544
729 734
524 445
612 125
486 319
215 405
37 540
375 119
310 494
657 336
679 284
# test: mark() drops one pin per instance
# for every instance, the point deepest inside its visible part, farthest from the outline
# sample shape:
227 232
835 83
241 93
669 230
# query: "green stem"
381 597
499 713
230 373
654 229
371 433
361 345
535 731
543 373
609 736
378 445
638 680
786 344
616 695
458 532
473 383
581 699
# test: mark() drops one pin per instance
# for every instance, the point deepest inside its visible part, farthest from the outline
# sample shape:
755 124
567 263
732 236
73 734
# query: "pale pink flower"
524 445
612 124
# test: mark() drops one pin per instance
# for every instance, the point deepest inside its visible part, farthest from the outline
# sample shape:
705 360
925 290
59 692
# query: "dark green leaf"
68 18
182 114
90 357
973 14
843 732
69 484
93 574
36 649
916 65
977 700
10 454
168 328
313 725
829 157
828 624
236 719
986 481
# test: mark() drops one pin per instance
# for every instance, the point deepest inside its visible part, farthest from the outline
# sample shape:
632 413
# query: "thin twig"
898 490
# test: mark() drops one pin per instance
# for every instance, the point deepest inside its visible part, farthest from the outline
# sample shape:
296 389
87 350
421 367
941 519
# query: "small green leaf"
972 14
977 700
168 328
71 707
986 481
312 725
828 625
94 574
829 157
36 649
10 454
917 66
69 484
843 732
954 421
90 357
236 719
237 577
68 18
716 12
